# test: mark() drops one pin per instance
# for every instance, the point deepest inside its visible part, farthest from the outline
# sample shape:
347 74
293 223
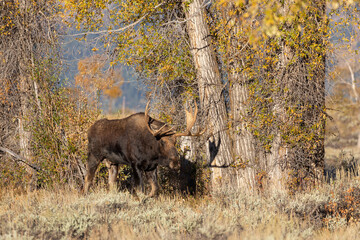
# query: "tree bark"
243 140
25 90
24 133
277 177
211 93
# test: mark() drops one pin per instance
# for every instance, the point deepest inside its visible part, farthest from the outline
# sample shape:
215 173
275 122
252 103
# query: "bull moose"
138 141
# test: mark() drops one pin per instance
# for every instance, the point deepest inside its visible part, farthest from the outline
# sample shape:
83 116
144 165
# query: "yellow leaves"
113 91
167 68
335 4
275 14
145 45
240 163
92 78
87 14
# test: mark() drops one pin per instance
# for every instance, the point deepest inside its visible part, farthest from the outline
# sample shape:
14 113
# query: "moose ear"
155 127
161 129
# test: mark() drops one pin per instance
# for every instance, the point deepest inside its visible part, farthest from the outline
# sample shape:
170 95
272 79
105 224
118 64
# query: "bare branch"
353 83
115 30
20 158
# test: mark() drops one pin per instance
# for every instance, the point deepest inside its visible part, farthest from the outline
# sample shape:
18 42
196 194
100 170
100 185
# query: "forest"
262 98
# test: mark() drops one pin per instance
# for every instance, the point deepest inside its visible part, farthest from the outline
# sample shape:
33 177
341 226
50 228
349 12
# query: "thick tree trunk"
243 141
24 124
277 177
211 93
244 148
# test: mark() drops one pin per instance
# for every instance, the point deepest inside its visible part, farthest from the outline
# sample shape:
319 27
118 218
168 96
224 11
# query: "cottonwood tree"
287 96
231 36
301 81
211 91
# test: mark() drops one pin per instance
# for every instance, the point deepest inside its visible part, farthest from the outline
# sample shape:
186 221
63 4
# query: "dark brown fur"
129 141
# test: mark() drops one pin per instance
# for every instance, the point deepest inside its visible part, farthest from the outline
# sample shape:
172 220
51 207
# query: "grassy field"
66 214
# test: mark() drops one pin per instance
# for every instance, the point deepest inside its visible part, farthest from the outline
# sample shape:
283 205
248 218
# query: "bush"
343 207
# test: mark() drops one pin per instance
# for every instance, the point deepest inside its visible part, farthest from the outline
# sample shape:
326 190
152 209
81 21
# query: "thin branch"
174 22
353 82
115 30
20 158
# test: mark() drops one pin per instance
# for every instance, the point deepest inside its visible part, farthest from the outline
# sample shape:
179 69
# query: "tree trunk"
211 93
25 90
24 133
243 141
277 177
301 76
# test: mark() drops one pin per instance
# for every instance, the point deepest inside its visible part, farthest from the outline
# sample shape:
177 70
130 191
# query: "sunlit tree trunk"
244 149
243 141
24 133
211 93
25 90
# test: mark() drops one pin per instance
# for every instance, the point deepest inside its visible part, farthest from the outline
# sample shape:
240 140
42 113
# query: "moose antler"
190 122
158 132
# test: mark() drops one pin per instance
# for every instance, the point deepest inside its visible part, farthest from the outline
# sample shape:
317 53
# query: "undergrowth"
329 211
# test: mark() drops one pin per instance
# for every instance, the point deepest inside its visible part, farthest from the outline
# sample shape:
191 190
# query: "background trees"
27 40
42 122
257 69
261 89
94 80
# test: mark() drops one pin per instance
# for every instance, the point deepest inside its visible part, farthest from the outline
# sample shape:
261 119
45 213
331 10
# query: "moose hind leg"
133 183
152 178
141 180
137 178
113 172
92 164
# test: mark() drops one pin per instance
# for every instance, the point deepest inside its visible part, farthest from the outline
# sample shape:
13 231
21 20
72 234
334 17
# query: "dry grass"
66 214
